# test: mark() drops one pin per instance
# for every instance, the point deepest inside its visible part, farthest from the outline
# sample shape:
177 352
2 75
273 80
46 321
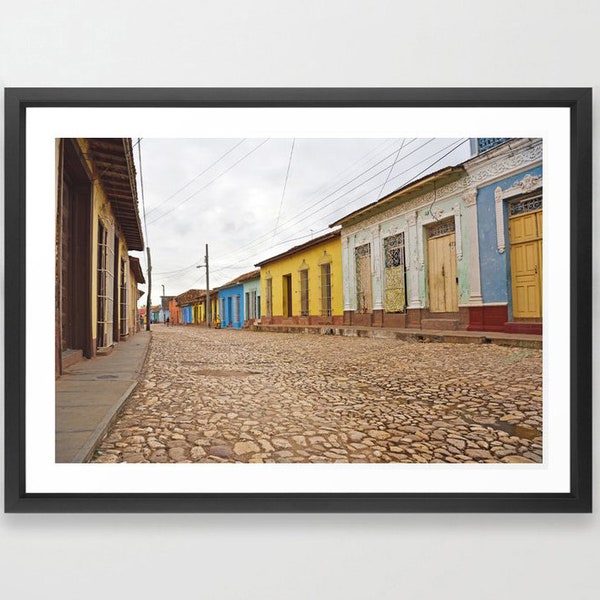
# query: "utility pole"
148 303
162 305
207 289
205 265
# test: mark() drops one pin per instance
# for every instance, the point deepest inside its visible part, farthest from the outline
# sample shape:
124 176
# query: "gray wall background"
310 43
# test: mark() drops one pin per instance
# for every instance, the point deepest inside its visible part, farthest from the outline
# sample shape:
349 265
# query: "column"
475 297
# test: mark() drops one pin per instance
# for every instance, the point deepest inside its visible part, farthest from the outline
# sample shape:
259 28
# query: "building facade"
97 224
252 309
444 253
506 197
303 286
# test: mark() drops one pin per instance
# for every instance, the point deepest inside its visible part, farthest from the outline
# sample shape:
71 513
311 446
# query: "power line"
314 193
198 176
256 243
211 181
142 189
391 168
287 174
295 220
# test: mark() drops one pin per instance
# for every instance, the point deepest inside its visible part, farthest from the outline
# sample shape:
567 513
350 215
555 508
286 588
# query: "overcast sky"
249 199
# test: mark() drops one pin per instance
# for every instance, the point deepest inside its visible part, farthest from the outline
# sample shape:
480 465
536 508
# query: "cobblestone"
242 396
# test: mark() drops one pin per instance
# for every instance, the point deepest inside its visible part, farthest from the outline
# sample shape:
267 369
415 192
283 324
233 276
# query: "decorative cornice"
478 174
470 197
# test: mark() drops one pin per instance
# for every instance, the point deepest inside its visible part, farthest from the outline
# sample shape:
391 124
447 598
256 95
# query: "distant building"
303 285
97 225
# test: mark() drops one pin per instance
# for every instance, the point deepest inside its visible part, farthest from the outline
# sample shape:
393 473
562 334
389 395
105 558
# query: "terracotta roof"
189 297
399 195
113 158
241 278
314 242
136 268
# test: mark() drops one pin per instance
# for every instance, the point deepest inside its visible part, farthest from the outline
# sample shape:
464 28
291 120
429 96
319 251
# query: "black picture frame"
579 103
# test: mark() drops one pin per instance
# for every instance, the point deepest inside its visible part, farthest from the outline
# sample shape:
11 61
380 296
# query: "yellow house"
97 224
303 285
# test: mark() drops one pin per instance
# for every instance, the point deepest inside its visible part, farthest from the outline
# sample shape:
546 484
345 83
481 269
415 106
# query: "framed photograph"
298 300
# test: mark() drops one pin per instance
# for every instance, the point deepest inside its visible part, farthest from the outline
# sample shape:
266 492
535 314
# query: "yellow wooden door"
443 284
526 264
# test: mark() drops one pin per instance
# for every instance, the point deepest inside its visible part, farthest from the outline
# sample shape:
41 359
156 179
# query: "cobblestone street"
242 396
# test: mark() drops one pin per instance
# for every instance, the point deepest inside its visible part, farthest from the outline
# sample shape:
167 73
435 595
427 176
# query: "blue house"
231 300
508 205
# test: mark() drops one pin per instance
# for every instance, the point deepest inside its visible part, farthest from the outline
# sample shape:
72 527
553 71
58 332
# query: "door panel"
443 289
526 265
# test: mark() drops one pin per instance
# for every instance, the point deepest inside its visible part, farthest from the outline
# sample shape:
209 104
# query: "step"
440 324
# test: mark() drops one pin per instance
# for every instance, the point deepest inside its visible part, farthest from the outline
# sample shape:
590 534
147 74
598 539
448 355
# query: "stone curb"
452 337
87 451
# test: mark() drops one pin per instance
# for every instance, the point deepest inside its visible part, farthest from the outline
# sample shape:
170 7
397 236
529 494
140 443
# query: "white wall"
308 43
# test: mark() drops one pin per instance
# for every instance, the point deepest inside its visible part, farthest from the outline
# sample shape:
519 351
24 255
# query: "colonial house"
431 255
505 197
303 285
136 277
97 224
188 303
251 284
174 311
231 301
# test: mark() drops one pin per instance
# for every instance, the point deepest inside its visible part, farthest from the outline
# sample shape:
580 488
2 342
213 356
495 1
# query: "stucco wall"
495 268
310 259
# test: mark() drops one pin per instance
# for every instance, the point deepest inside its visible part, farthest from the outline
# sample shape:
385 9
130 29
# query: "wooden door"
287 295
526 264
443 280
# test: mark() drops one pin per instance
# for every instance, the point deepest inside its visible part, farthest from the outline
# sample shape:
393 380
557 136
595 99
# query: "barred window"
326 290
525 206
304 293
441 228
236 309
395 273
364 298
269 299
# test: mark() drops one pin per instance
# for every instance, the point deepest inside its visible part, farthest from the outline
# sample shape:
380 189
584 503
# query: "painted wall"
187 314
328 251
227 299
413 221
495 268
174 312
101 211
252 286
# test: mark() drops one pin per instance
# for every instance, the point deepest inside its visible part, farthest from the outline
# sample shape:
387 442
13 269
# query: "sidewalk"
520 340
90 393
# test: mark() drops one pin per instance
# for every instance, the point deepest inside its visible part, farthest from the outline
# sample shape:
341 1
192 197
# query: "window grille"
441 228
252 305
326 290
123 286
258 313
304 293
525 206
269 300
395 273
485 144
362 255
236 309
105 280
247 306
